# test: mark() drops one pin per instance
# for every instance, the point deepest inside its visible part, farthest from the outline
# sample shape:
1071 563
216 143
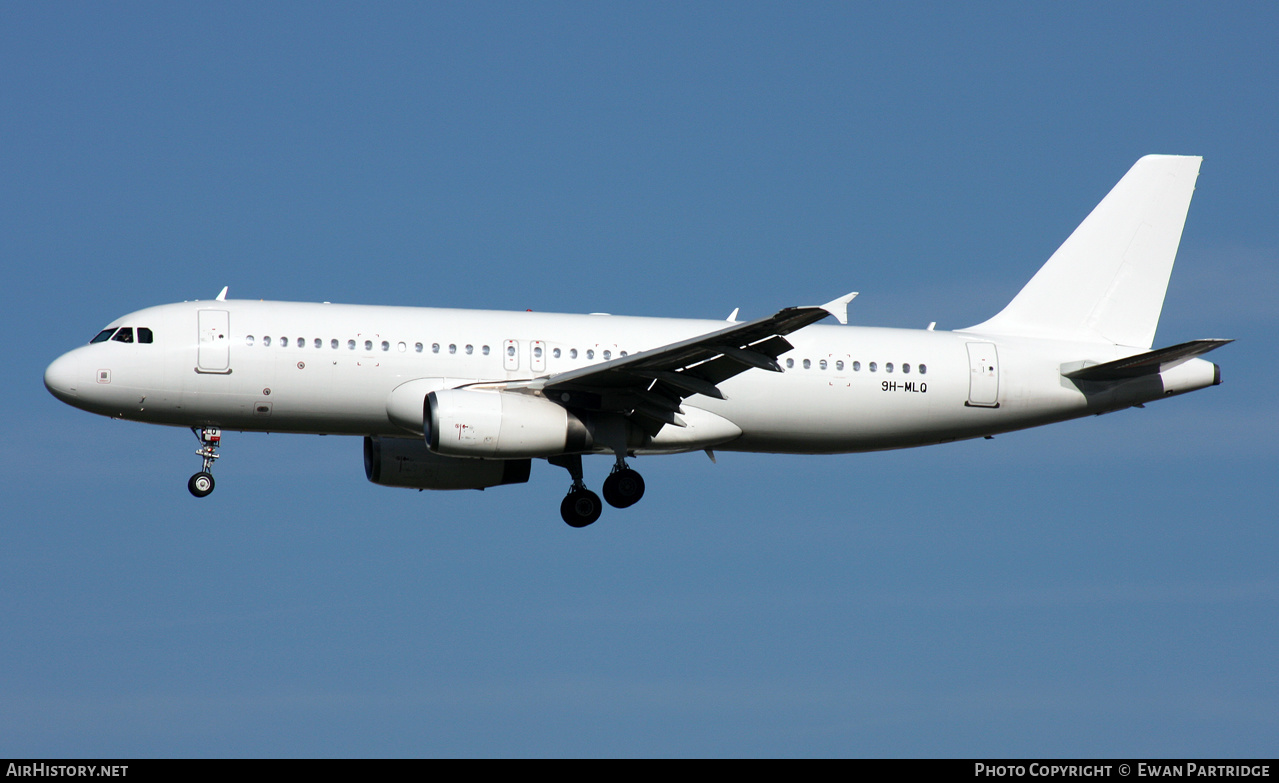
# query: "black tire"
623 488
581 507
201 484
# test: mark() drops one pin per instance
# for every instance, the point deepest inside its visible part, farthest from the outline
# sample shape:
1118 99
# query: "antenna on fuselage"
222 296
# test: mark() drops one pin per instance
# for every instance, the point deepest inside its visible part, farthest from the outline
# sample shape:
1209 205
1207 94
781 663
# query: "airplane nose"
62 377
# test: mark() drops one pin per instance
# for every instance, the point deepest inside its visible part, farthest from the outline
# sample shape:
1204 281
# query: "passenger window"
103 336
572 353
821 365
873 367
623 353
333 344
790 364
452 348
470 349
555 352
368 345
485 350
435 347
839 365
248 340
888 367
537 352
906 369
350 344
857 366
808 365
608 355
284 342
144 334
417 347
319 343
923 369
510 350
386 346
125 335
266 341
590 353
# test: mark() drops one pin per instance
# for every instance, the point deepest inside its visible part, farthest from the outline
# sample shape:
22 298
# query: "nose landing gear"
201 484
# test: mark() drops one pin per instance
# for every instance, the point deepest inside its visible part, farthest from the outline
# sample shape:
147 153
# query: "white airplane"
466 399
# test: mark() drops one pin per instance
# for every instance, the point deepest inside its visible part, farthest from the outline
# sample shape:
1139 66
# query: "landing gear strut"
580 507
210 438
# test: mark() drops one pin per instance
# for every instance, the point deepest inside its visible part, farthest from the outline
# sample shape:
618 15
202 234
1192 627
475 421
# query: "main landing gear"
580 507
623 487
210 438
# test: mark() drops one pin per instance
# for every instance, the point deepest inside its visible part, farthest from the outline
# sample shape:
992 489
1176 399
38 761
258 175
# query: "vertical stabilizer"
1107 281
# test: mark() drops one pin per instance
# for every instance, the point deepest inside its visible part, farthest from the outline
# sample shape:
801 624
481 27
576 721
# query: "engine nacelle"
478 423
406 462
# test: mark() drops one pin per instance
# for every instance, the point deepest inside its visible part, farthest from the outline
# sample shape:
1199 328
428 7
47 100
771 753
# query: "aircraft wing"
1148 363
649 386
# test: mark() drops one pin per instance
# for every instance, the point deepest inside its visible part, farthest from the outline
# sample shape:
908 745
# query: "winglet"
839 307
222 296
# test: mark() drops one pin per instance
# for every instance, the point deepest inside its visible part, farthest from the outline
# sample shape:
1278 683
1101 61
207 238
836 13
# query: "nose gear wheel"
201 484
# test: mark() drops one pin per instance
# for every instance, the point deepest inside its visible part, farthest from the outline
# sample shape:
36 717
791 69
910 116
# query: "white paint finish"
1107 280
983 375
214 353
204 370
801 411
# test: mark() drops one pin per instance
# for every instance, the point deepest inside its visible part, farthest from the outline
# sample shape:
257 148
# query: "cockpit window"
144 334
124 335
103 336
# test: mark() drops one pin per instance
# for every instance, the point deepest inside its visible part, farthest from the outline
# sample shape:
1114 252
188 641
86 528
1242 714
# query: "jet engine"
480 423
406 462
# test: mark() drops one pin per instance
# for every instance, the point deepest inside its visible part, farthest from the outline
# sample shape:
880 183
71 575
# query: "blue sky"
1104 587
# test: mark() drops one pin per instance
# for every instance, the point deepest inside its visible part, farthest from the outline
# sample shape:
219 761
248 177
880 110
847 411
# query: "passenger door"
983 375
214 355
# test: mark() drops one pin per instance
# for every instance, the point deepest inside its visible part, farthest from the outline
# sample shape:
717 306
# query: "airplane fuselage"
331 368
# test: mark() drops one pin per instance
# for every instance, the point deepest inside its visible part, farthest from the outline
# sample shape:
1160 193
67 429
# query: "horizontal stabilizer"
1149 363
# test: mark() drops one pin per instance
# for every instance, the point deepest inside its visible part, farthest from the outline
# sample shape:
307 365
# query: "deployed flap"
1149 363
651 384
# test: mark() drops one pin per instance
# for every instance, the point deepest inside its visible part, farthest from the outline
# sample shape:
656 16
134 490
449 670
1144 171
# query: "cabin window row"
838 364
402 347
351 345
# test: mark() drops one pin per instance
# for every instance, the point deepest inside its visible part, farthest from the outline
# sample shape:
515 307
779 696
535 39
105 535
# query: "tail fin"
1107 281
